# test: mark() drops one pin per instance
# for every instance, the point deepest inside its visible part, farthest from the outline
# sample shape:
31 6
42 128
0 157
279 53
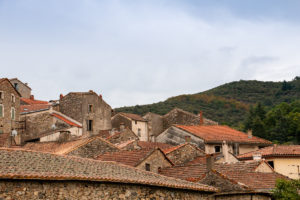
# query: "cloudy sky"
142 51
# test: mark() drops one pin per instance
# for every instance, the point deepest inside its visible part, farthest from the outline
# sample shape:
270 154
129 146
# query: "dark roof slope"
30 165
153 145
133 116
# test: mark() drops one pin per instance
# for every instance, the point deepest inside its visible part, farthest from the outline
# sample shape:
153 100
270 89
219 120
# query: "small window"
1 95
16 86
89 125
13 113
139 132
1 111
13 98
147 167
217 149
90 108
135 122
271 163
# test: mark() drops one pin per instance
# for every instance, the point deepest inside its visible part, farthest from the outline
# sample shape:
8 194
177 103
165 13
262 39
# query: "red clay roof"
134 116
131 158
241 172
33 108
218 133
33 102
30 165
66 120
274 151
153 145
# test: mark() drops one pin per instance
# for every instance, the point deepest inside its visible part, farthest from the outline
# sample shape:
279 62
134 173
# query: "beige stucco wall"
247 148
210 148
285 166
144 129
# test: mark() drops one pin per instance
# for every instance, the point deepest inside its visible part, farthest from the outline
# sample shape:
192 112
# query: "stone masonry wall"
184 154
243 197
6 123
118 119
179 117
93 149
124 136
67 190
155 124
156 160
22 88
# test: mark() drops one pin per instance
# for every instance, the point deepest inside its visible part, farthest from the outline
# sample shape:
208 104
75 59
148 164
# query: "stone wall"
123 136
93 149
39 124
177 116
118 119
22 88
67 190
184 154
246 196
155 124
6 123
156 160
76 106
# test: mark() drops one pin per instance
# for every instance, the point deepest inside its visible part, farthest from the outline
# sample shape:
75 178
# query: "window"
13 99
16 86
1 110
147 167
139 132
89 125
1 95
271 163
135 122
217 149
13 113
90 108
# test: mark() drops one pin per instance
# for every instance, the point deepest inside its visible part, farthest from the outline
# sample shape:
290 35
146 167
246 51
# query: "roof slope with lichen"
30 165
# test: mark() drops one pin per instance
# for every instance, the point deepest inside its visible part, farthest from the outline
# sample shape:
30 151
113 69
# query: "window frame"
13 113
1 94
89 126
147 167
13 98
90 108
218 146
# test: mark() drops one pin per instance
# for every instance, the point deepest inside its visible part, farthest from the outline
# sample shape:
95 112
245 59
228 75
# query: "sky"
144 51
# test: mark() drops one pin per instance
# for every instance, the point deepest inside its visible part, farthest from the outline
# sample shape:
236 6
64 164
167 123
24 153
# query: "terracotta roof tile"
152 145
22 164
218 133
66 120
274 151
24 109
32 101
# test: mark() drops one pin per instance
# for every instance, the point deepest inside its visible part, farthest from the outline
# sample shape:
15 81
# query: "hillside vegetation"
229 103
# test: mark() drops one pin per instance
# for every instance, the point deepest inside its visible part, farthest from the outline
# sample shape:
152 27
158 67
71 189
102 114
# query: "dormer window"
13 98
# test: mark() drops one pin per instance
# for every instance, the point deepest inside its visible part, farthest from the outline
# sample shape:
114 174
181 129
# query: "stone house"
233 177
122 136
157 123
87 108
46 125
80 178
284 159
184 153
145 159
212 137
22 88
9 113
132 121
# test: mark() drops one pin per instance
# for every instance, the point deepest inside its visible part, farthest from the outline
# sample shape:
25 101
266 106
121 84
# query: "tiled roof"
152 145
274 151
66 120
218 133
30 165
133 116
169 150
32 101
242 172
124 144
24 109
131 158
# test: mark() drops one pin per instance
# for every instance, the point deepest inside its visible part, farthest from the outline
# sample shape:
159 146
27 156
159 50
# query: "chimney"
256 156
31 97
209 162
61 96
201 122
249 133
187 138
122 126
26 84
225 152
100 96
91 91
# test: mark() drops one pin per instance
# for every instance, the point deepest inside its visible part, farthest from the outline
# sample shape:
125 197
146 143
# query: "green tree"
287 190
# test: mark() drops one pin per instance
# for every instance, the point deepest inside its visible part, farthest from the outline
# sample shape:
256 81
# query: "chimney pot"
201 122
61 96
249 133
100 96
31 97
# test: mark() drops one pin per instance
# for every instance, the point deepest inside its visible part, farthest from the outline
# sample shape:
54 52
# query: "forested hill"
228 103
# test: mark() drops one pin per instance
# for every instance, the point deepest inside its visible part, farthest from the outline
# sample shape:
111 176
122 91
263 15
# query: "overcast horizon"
141 52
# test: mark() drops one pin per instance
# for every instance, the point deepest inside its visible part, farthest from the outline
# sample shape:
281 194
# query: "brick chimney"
31 97
61 96
249 133
187 138
210 164
201 122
